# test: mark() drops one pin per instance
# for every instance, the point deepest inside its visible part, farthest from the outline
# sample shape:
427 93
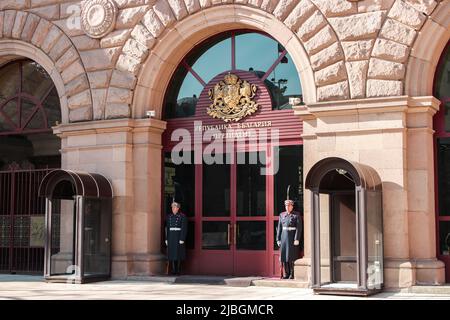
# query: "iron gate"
22 223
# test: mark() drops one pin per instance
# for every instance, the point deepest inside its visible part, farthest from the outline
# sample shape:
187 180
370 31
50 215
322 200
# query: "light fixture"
151 113
341 171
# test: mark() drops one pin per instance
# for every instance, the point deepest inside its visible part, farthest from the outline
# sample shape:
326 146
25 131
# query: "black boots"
288 270
291 268
175 266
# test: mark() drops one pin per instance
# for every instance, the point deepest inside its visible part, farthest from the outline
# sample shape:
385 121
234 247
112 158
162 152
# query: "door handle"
234 237
229 234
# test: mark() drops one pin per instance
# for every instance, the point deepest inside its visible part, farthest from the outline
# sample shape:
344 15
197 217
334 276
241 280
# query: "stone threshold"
221 280
427 289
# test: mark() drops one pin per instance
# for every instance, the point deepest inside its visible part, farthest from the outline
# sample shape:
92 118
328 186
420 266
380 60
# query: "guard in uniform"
176 230
288 237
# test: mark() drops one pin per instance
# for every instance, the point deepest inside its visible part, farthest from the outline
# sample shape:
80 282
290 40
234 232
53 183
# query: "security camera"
151 113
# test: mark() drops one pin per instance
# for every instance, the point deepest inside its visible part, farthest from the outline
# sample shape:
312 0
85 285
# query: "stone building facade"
366 70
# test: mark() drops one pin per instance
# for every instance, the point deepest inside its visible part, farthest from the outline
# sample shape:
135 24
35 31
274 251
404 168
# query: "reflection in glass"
444 237
251 235
251 185
374 240
190 237
290 172
63 233
215 56
215 235
9 81
97 236
216 190
213 61
444 176
442 86
179 182
343 222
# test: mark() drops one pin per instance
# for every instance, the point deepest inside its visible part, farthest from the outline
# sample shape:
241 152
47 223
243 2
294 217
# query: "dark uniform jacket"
176 230
289 229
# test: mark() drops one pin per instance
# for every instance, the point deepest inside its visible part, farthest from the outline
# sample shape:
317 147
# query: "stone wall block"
299 14
333 8
115 39
152 23
123 79
358 26
19 23
311 26
384 88
51 39
8 23
60 48
80 114
192 5
331 74
119 95
357 71
357 50
48 12
143 36
29 27
67 59
77 85
99 59
388 70
14 4
337 91
406 14
80 100
99 79
390 50
396 31
320 40
40 32
179 8
116 111
283 8
164 12
326 57
128 18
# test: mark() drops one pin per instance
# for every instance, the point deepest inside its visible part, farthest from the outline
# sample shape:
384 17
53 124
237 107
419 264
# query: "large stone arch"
299 25
405 44
24 34
426 52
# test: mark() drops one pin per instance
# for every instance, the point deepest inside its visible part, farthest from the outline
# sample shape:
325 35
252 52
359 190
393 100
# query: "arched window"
442 133
232 50
29 101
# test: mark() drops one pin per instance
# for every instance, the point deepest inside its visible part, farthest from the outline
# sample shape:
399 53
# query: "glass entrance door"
234 228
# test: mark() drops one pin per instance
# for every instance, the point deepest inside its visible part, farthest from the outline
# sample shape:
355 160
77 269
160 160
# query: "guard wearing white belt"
289 232
176 230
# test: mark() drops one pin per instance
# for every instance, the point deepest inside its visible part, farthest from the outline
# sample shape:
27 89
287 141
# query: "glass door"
216 217
250 220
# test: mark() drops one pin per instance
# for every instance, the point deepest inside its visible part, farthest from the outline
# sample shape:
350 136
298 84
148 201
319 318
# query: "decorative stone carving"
98 17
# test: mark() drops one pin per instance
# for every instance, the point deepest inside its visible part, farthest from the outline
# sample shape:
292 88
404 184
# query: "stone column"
385 134
147 165
112 148
421 191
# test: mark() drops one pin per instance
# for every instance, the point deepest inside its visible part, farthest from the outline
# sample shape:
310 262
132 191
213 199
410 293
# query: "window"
29 102
233 50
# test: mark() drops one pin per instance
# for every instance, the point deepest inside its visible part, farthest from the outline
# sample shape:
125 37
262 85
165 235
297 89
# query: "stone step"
283 283
443 289
193 279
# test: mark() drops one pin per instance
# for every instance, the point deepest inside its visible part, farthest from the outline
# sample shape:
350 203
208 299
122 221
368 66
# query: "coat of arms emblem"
232 99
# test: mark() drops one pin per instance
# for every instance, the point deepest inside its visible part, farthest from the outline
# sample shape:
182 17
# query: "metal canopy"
83 184
362 175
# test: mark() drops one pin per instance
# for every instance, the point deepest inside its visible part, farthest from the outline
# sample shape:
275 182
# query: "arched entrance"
218 156
29 107
442 146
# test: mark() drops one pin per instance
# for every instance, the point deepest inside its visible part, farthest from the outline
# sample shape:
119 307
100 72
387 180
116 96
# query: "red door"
232 217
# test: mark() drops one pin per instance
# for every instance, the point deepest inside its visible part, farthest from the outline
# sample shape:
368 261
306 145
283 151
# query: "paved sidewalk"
14 287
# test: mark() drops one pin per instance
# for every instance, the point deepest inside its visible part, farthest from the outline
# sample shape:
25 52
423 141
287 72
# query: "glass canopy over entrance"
347 227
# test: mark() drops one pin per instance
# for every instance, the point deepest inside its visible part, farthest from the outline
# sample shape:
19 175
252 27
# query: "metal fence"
22 223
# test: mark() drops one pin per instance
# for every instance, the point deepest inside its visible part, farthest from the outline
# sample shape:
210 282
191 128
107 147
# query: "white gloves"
296 242
279 243
166 242
181 242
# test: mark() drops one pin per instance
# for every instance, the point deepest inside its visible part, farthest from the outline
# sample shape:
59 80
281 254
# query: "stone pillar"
380 132
421 191
147 165
127 152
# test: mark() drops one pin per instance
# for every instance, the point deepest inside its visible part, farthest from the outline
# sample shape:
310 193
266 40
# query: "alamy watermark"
226 144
